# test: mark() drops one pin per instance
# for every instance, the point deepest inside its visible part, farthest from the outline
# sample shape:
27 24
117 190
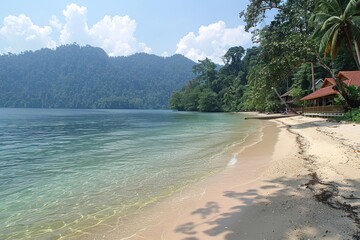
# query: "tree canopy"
216 90
299 31
292 51
72 76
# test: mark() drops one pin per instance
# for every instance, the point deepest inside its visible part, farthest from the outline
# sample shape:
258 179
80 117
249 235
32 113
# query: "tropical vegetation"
74 76
305 40
216 88
353 115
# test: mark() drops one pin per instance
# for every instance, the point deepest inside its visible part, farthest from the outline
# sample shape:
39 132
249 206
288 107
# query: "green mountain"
72 76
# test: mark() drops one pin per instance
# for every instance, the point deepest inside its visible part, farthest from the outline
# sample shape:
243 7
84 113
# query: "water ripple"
63 172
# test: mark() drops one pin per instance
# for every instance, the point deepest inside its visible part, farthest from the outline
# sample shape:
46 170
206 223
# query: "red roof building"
322 100
325 95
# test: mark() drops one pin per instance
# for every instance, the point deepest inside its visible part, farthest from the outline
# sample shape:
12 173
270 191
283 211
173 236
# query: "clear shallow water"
63 171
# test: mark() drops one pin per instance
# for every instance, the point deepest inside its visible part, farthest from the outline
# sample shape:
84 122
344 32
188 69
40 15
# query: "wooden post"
312 77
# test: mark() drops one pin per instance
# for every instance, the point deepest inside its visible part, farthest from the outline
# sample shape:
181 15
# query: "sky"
194 28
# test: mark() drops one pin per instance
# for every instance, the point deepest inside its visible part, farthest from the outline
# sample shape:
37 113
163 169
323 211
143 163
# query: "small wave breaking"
232 161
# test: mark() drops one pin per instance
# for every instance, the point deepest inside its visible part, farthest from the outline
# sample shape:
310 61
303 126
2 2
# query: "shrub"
353 115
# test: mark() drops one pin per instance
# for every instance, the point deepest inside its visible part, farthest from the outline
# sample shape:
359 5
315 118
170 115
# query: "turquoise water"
65 171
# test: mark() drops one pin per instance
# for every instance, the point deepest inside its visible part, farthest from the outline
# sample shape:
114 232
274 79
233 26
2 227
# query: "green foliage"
85 77
259 95
256 10
176 101
344 61
191 99
211 90
353 94
287 46
297 93
337 24
206 73
339 100
208 101
352 115
337 28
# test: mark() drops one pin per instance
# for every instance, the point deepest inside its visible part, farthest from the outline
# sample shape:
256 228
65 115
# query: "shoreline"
142 224
304 183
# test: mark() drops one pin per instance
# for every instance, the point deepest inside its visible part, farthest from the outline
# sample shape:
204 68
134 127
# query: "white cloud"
55 23
75 28
212 41
22 34
114 34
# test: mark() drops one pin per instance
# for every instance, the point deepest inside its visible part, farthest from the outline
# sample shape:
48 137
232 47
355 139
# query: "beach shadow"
313 124
247 197
187 228
209 209
259 213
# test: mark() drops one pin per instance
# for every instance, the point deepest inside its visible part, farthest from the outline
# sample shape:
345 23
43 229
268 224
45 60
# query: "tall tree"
206 72
213 90
337 23
288 41
256 11
234 55
284 45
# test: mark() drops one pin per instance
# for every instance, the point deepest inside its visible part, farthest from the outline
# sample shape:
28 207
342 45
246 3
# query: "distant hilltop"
73 76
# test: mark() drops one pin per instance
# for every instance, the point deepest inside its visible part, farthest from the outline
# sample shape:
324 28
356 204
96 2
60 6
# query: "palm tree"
337 24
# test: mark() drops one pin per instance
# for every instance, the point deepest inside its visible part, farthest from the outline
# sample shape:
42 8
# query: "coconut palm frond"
352 6
355 31
355 20
334 45
325 41
331 20
333 6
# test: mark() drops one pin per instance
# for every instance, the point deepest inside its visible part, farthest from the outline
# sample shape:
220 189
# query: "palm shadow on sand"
283 213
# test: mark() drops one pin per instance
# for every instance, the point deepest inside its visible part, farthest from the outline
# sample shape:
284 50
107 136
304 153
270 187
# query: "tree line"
217 89
306 40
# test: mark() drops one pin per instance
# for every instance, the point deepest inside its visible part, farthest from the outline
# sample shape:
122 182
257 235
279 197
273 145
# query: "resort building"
321 102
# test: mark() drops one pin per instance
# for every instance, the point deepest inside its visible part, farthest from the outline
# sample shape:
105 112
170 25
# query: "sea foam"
232 161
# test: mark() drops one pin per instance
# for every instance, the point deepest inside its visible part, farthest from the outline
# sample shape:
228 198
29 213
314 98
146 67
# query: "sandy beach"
301 180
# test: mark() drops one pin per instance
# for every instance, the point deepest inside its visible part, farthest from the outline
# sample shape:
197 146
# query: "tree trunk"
312 77
357 54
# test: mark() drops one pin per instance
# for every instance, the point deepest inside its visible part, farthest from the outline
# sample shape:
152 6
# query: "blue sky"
194 28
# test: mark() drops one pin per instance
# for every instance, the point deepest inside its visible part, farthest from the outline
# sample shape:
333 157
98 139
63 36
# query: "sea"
65 171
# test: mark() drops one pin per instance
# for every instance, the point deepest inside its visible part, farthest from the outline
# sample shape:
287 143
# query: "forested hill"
85 77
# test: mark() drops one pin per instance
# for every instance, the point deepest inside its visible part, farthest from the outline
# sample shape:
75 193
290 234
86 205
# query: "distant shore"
300 181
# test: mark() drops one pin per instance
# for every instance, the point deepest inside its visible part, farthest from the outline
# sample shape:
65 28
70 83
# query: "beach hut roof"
348 77
322 92
286 94
352 76
328 82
